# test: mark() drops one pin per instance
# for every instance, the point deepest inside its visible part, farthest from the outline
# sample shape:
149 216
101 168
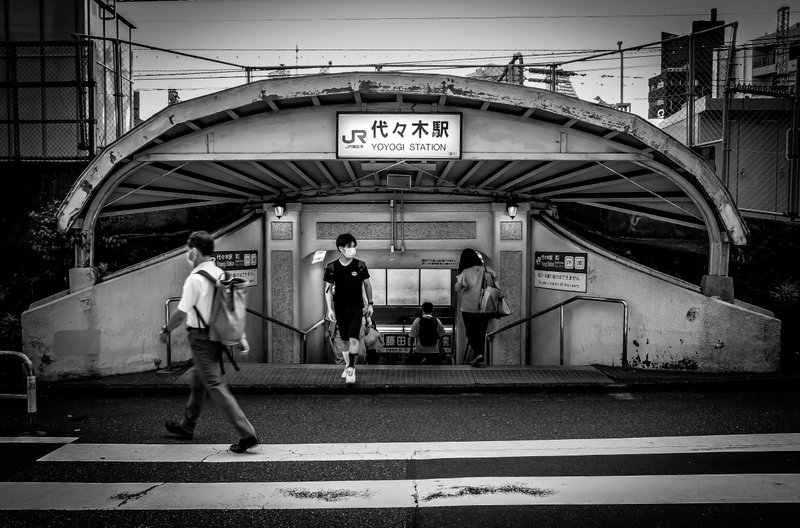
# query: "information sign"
560 271
241 264
398 136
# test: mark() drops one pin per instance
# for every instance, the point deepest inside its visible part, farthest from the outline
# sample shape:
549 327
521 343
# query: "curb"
121 389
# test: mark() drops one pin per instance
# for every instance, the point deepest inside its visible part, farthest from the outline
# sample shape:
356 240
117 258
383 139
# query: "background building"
65 79
684 60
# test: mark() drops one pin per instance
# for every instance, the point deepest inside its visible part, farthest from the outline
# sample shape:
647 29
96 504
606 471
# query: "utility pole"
690 93
621 74
793 151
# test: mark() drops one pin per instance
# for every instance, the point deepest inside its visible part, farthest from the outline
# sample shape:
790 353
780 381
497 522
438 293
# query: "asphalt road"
282 419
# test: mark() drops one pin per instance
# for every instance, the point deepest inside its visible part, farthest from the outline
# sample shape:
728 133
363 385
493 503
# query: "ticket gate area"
397 343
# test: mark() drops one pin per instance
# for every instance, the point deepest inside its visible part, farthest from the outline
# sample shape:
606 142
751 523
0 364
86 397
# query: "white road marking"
37 439
451 492
425 450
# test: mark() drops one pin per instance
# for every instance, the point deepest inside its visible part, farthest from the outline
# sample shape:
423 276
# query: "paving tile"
276 376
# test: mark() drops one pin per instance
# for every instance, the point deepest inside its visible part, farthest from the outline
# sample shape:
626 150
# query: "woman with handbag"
470 281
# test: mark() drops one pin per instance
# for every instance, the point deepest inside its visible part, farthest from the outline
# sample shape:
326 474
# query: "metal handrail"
560 306
30 392
303 333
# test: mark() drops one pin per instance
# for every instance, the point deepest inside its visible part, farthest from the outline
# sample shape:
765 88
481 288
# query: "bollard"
30 391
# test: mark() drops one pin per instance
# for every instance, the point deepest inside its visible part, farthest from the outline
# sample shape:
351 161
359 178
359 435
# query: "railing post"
624 335
561 335
169 367
30 391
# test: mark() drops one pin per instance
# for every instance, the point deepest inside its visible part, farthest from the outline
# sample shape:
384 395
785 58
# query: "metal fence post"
30 391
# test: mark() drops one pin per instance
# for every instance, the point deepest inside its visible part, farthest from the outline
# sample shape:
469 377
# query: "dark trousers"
207 378
475 326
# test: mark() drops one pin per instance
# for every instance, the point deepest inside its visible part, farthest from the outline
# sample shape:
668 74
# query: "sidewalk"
306 379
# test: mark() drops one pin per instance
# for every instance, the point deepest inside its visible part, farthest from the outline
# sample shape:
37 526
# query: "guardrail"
303 333
560 306
30 393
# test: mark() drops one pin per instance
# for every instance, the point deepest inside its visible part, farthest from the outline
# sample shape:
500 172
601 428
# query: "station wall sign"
560 271
400 343
398 136
241 264
446 262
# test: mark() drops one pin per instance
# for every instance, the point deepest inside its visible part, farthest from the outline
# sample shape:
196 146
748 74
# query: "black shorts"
349 323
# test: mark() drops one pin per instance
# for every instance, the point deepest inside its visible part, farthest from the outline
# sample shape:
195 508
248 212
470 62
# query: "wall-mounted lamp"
280 206
511 207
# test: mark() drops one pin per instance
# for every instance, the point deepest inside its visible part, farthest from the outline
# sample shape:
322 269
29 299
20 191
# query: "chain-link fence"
45 102
724 100
62 101
687 94
758 170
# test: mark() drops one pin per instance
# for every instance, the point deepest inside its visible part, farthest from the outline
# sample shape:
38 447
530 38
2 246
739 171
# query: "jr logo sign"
398 136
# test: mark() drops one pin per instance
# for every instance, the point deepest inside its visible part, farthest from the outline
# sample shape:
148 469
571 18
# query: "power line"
437 18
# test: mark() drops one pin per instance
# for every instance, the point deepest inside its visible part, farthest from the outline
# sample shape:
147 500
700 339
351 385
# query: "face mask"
190 257
349 252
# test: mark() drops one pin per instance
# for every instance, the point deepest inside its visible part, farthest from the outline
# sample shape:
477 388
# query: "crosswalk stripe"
37 439
452 492
177 452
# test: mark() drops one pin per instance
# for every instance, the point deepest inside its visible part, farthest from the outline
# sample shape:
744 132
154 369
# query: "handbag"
492 300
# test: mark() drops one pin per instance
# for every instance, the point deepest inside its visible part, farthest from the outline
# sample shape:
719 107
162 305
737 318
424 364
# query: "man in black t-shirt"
344 300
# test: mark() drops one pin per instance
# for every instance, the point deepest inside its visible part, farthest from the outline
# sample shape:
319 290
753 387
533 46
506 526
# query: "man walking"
344 300
196 299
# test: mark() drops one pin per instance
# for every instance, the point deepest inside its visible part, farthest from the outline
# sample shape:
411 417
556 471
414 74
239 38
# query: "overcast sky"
355 32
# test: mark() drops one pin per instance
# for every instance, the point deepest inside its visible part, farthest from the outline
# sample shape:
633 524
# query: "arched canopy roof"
277 136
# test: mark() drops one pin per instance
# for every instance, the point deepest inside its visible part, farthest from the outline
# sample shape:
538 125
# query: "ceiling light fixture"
512 207
280 206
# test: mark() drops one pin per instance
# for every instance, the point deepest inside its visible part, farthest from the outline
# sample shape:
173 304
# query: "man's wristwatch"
371 303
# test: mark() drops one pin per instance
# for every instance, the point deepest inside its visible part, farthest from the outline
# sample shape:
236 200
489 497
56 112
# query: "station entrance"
417 167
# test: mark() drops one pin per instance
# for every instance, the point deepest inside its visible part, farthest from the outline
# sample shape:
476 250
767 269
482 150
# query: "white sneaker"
344 373
351 376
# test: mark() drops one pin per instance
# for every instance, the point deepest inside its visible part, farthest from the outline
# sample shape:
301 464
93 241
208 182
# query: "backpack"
428 331
228 312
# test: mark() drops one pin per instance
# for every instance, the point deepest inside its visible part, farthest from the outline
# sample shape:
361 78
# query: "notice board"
554 270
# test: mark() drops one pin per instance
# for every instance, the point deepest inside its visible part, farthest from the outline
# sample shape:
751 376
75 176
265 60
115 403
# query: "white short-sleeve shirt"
198 291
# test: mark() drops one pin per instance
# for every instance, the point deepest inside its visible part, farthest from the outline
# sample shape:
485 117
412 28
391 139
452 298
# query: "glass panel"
29 69
402 287
62 141
60 69
30 103
61 103
435 286
6 149
30 140
25 20
3 66
5 102
377 277
59 20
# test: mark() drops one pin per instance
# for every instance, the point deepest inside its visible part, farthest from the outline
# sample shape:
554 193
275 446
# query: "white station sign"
398 136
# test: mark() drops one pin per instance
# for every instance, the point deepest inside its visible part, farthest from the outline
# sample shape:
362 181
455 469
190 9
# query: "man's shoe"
176 429
244 444
344 373
477 362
